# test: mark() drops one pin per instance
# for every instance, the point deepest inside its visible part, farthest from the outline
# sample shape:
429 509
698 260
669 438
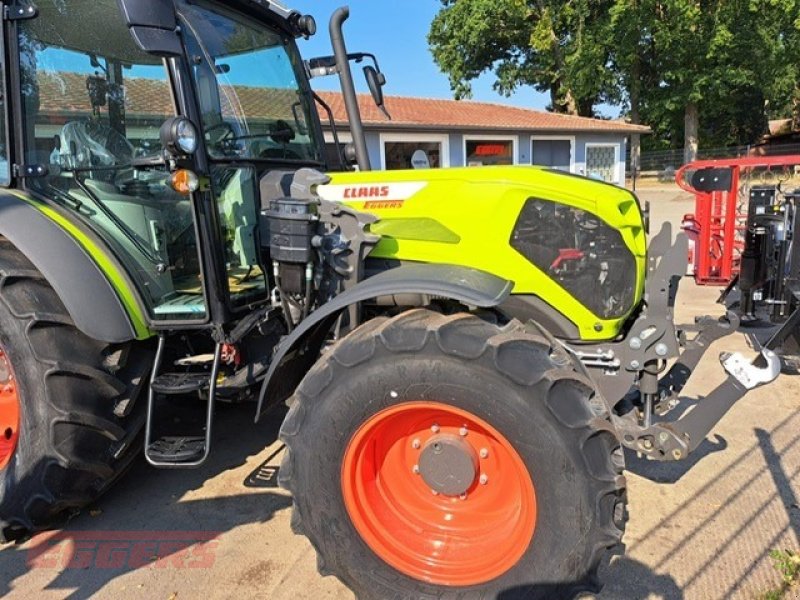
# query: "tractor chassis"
640 417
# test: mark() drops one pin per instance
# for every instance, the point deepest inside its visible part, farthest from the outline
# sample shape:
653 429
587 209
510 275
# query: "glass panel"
246 78
235 189
490 152
601 163
412 155
552 153
93 101
585 255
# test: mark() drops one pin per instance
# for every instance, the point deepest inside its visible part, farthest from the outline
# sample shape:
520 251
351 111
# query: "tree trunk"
635 92
691 120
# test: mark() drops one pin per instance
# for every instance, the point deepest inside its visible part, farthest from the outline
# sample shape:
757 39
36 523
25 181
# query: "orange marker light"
184 181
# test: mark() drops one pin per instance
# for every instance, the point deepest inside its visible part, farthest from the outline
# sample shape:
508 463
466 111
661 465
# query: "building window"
489 151
414 151
553 152
602 162
413 155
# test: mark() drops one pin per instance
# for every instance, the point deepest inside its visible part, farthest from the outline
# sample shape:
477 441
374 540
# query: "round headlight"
179 136
186 136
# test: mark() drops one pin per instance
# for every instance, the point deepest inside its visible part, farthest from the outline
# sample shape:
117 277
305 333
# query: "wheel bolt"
416 444
415 469
463 431
435 428
484 453
484 479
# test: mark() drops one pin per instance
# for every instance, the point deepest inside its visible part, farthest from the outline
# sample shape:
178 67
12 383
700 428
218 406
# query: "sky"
396 32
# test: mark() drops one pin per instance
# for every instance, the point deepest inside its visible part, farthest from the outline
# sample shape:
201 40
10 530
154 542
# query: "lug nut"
647 444
661 349
463 431
484 453
435 428
484 479
416 444
635 343
415 469
434 492
676 454
663 436
463 496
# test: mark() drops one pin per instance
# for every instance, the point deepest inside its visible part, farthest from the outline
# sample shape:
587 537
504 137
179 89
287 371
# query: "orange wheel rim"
9 411
460 537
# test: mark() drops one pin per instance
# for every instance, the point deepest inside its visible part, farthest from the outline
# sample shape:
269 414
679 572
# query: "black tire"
79 419
518 380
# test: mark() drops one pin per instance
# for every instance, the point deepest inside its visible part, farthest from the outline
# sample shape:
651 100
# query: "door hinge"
36 170
20 10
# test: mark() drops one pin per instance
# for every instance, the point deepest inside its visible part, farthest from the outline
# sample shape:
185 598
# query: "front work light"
179 136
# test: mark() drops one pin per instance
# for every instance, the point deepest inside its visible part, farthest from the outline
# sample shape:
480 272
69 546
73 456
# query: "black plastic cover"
291 227
149 13
581 252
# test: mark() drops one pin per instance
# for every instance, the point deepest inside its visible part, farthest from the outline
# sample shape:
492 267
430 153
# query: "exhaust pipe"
348 89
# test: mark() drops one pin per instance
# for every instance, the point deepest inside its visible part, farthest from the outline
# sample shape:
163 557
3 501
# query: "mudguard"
87 294
300 350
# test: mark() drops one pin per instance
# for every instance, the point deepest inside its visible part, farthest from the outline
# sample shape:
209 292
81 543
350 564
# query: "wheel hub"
9 411
438 493
448 465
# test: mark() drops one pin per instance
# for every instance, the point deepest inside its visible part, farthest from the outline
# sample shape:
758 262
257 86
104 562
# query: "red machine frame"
721 216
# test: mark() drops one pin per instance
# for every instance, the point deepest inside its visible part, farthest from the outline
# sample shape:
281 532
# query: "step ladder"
179 451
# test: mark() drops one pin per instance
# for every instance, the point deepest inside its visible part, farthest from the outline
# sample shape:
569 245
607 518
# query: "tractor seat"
91 143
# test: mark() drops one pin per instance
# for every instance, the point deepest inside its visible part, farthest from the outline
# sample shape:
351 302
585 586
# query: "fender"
299 351
86 292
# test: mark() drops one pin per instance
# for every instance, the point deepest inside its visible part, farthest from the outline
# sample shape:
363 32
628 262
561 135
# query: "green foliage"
787 563
557 47
738 61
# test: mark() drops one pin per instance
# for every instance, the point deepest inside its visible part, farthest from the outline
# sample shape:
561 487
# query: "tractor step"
180 450
180 383
177 449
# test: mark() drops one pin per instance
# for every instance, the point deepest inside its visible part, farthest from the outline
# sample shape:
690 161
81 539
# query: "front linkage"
636 361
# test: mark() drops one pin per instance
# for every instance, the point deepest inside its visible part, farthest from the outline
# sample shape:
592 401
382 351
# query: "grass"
787 563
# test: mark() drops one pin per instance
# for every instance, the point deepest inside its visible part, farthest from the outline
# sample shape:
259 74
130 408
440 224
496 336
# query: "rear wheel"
69 419
437 456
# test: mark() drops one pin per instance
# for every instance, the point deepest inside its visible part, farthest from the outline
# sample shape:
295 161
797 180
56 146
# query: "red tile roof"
430 113
62 93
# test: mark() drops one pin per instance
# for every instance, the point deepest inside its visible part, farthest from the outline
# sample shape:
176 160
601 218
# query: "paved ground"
702 529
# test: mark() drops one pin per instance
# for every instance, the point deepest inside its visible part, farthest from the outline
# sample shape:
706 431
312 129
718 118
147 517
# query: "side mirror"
97 86
375 82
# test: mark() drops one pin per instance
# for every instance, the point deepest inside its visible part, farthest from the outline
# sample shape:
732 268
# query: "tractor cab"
151 125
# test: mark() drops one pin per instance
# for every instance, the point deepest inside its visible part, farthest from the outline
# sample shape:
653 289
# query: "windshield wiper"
156 260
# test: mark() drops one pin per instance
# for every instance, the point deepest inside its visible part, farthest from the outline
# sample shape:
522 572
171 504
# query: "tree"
558 47
711 68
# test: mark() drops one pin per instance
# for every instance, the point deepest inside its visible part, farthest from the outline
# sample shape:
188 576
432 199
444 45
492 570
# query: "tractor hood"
575 243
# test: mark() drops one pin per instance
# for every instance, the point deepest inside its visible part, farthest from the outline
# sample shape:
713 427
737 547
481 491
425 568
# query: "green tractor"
465 352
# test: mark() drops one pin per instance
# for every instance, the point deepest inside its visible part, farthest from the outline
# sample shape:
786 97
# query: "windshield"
252 104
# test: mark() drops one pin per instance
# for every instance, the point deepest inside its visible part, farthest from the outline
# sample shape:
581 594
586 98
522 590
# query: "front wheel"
437 456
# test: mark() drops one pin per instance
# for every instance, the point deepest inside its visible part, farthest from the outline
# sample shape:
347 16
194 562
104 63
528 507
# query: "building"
454 133
425 132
